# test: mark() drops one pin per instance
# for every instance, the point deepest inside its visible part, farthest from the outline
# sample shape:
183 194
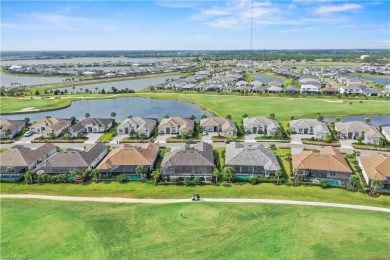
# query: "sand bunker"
333 101
28 109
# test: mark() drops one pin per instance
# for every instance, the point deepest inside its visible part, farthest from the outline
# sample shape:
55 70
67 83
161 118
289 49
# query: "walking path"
166 201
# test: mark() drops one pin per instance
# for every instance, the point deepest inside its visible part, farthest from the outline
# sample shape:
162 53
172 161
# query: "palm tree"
26 122
95 174
156 176
278 174
10 171
376 184
368 120
288 157
74 173
193 117
353 179
66 132
166 116
272 147
216 174
28 177
356 154
228 172
113 115
87 115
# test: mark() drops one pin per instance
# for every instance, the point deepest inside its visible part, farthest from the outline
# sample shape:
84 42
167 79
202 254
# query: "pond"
265 78
379 80
7 79
123 107
134 84
84 60
376 120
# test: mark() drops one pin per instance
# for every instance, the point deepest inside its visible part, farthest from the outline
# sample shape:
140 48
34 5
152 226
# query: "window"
332 174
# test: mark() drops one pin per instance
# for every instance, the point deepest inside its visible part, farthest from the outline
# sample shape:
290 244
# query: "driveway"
207 138
93 137
117 139
162 138
347 143
251 138
27 140
296 139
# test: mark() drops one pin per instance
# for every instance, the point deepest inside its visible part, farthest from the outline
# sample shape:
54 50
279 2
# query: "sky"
194 25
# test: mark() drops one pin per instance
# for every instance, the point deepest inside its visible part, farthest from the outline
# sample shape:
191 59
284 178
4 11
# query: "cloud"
234 14
326 9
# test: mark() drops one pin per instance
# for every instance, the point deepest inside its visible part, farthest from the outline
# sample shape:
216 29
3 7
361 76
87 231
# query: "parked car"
28 133
205 133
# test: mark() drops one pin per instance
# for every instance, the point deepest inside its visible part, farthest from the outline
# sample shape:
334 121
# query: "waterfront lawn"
219 157
282 107
89 230
225 190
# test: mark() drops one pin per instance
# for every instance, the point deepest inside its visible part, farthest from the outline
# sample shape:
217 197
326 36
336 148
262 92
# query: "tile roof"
376 166
52 123
200 155
328 159
262 121
127 154
23 156
10 124
369 131
139 123
254 155
226 124
318 126
183 123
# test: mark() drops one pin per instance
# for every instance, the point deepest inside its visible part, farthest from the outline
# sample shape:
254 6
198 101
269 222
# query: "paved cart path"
219 200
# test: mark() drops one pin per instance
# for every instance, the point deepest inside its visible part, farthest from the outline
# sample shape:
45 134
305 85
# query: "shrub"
253 181
122 178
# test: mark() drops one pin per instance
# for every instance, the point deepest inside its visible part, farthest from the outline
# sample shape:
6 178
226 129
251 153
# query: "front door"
350 135
305 131
168 130
126 130
254 130
89 129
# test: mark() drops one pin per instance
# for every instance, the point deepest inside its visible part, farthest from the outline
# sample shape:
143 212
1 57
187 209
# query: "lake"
376 121
134 84
84 60
123 107
7 79
379 80
265 78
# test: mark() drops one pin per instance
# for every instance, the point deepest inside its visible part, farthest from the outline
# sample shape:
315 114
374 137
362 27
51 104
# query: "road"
295 148
204 200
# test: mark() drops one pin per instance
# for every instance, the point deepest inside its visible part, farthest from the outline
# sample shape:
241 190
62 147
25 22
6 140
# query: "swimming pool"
334 183
242 176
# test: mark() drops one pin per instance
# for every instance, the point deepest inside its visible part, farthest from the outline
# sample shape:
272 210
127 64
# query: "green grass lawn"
220 159
110 134
3 150
87 230
284 163
225 190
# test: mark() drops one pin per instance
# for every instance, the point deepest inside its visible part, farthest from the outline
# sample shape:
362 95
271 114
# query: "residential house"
22 158
309 89
50 125
66 161
274 89
329 163
14 127
241 83
126 158
309 127
251 161
376 166
291 90
90 125
329 91
386 132
354 130
357 90
224 126
176 125
276 83
260 125
137 125
197 161
372 92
